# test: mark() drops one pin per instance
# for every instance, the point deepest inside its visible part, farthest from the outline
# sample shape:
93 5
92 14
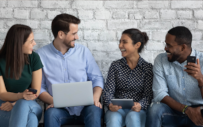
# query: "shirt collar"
58 52
140 61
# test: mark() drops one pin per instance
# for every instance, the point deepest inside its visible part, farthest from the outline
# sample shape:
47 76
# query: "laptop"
72 94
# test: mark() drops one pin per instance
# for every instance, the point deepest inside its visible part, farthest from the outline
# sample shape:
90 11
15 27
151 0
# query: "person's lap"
160 114
90 115
125 117
23 113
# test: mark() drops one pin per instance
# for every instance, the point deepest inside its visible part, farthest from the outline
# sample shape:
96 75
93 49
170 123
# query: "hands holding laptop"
136 107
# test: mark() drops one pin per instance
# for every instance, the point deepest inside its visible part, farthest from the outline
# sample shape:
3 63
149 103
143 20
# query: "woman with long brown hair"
20 69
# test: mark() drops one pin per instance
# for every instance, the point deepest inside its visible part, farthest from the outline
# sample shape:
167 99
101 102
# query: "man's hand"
137 107
7 106
97 103
114 108
50 106
194 70
195 115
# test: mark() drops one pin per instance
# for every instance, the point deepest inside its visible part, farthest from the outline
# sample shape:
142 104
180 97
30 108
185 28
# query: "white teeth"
123 50
168 53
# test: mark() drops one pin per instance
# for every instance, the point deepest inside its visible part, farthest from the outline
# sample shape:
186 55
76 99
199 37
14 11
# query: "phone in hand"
191 59
34 91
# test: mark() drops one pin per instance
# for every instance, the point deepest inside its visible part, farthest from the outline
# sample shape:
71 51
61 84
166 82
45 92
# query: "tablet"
125 103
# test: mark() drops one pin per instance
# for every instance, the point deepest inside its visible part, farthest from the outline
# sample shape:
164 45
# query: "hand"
137 107
7 106
114 108
98 104
29 95
195 115
194 70
50 106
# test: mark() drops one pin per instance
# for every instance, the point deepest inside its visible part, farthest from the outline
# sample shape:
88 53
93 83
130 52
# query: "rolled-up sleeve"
109 88
147 94
159 87
93 72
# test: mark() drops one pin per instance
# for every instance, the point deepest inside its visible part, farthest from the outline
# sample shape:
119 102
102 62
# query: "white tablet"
124 103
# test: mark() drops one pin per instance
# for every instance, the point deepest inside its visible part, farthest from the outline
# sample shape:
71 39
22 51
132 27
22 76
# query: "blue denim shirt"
76 65
170 79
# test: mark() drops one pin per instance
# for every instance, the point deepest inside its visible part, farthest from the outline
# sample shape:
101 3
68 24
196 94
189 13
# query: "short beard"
68 45
174 58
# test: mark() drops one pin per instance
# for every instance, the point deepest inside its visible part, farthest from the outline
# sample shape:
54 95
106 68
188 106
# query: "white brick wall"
102 22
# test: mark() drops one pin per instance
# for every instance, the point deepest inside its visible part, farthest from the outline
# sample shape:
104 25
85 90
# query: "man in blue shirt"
177 86
66 61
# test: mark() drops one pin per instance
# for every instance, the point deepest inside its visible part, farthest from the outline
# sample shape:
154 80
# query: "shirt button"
185 99
183 88
183 77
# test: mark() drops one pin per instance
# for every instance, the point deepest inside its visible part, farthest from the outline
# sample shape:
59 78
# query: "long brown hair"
12 51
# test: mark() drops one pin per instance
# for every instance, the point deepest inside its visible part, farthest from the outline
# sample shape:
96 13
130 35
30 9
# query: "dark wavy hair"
137 36
61 23
12 51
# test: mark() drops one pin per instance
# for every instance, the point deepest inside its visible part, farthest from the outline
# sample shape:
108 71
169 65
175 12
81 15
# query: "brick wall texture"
103 21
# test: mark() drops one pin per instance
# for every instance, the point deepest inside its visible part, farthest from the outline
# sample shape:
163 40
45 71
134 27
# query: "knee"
94 111
113 117
51 113
22 103
135 116
156 109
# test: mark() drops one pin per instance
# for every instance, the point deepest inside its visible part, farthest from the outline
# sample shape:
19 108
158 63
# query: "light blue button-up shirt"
76 65
170 79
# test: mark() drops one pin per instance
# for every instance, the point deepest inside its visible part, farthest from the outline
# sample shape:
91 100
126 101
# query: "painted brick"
151 14
168 14
56 4
198 14
156 25
87 4
21 14
184 14
120 15
186 4
6 13
22 3
83 14
119 4
153 4
52 14
102 14
117 24
93 24
38 14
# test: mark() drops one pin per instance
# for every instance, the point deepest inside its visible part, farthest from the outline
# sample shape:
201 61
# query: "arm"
44 95
8 96
36 80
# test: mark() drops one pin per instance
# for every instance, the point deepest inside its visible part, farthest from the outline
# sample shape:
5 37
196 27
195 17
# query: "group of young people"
166 94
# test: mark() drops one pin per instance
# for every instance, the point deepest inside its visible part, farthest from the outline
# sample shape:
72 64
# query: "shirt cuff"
160 96
42 90
99 82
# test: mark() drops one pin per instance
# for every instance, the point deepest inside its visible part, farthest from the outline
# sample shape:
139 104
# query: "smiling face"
71 36
172 48
127 47
29 44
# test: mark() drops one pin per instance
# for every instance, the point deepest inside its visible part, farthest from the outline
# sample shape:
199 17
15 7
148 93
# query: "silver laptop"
72 94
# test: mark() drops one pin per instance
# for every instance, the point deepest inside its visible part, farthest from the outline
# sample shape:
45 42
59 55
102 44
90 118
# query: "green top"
13 85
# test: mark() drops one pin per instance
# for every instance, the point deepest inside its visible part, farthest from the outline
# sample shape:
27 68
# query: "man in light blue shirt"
66 61
177 86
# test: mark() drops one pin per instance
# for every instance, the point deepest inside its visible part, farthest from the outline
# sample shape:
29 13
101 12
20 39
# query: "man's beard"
173 58
68 44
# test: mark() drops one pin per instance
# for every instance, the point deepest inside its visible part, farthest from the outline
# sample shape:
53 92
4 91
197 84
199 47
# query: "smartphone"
34 91
191 59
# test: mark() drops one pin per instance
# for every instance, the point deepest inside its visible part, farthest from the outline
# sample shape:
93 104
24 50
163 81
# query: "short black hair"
137 36
61 23
183 35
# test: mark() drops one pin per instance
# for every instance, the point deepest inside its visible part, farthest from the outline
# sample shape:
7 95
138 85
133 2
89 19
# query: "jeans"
125 117
24 114
160 114
90 115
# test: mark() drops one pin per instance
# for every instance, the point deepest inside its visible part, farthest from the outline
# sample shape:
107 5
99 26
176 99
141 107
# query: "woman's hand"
7 106
114 108
137 107
29 95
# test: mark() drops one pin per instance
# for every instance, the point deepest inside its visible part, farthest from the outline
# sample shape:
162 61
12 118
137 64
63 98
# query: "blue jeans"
125 117
90 115
160 114
24 114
